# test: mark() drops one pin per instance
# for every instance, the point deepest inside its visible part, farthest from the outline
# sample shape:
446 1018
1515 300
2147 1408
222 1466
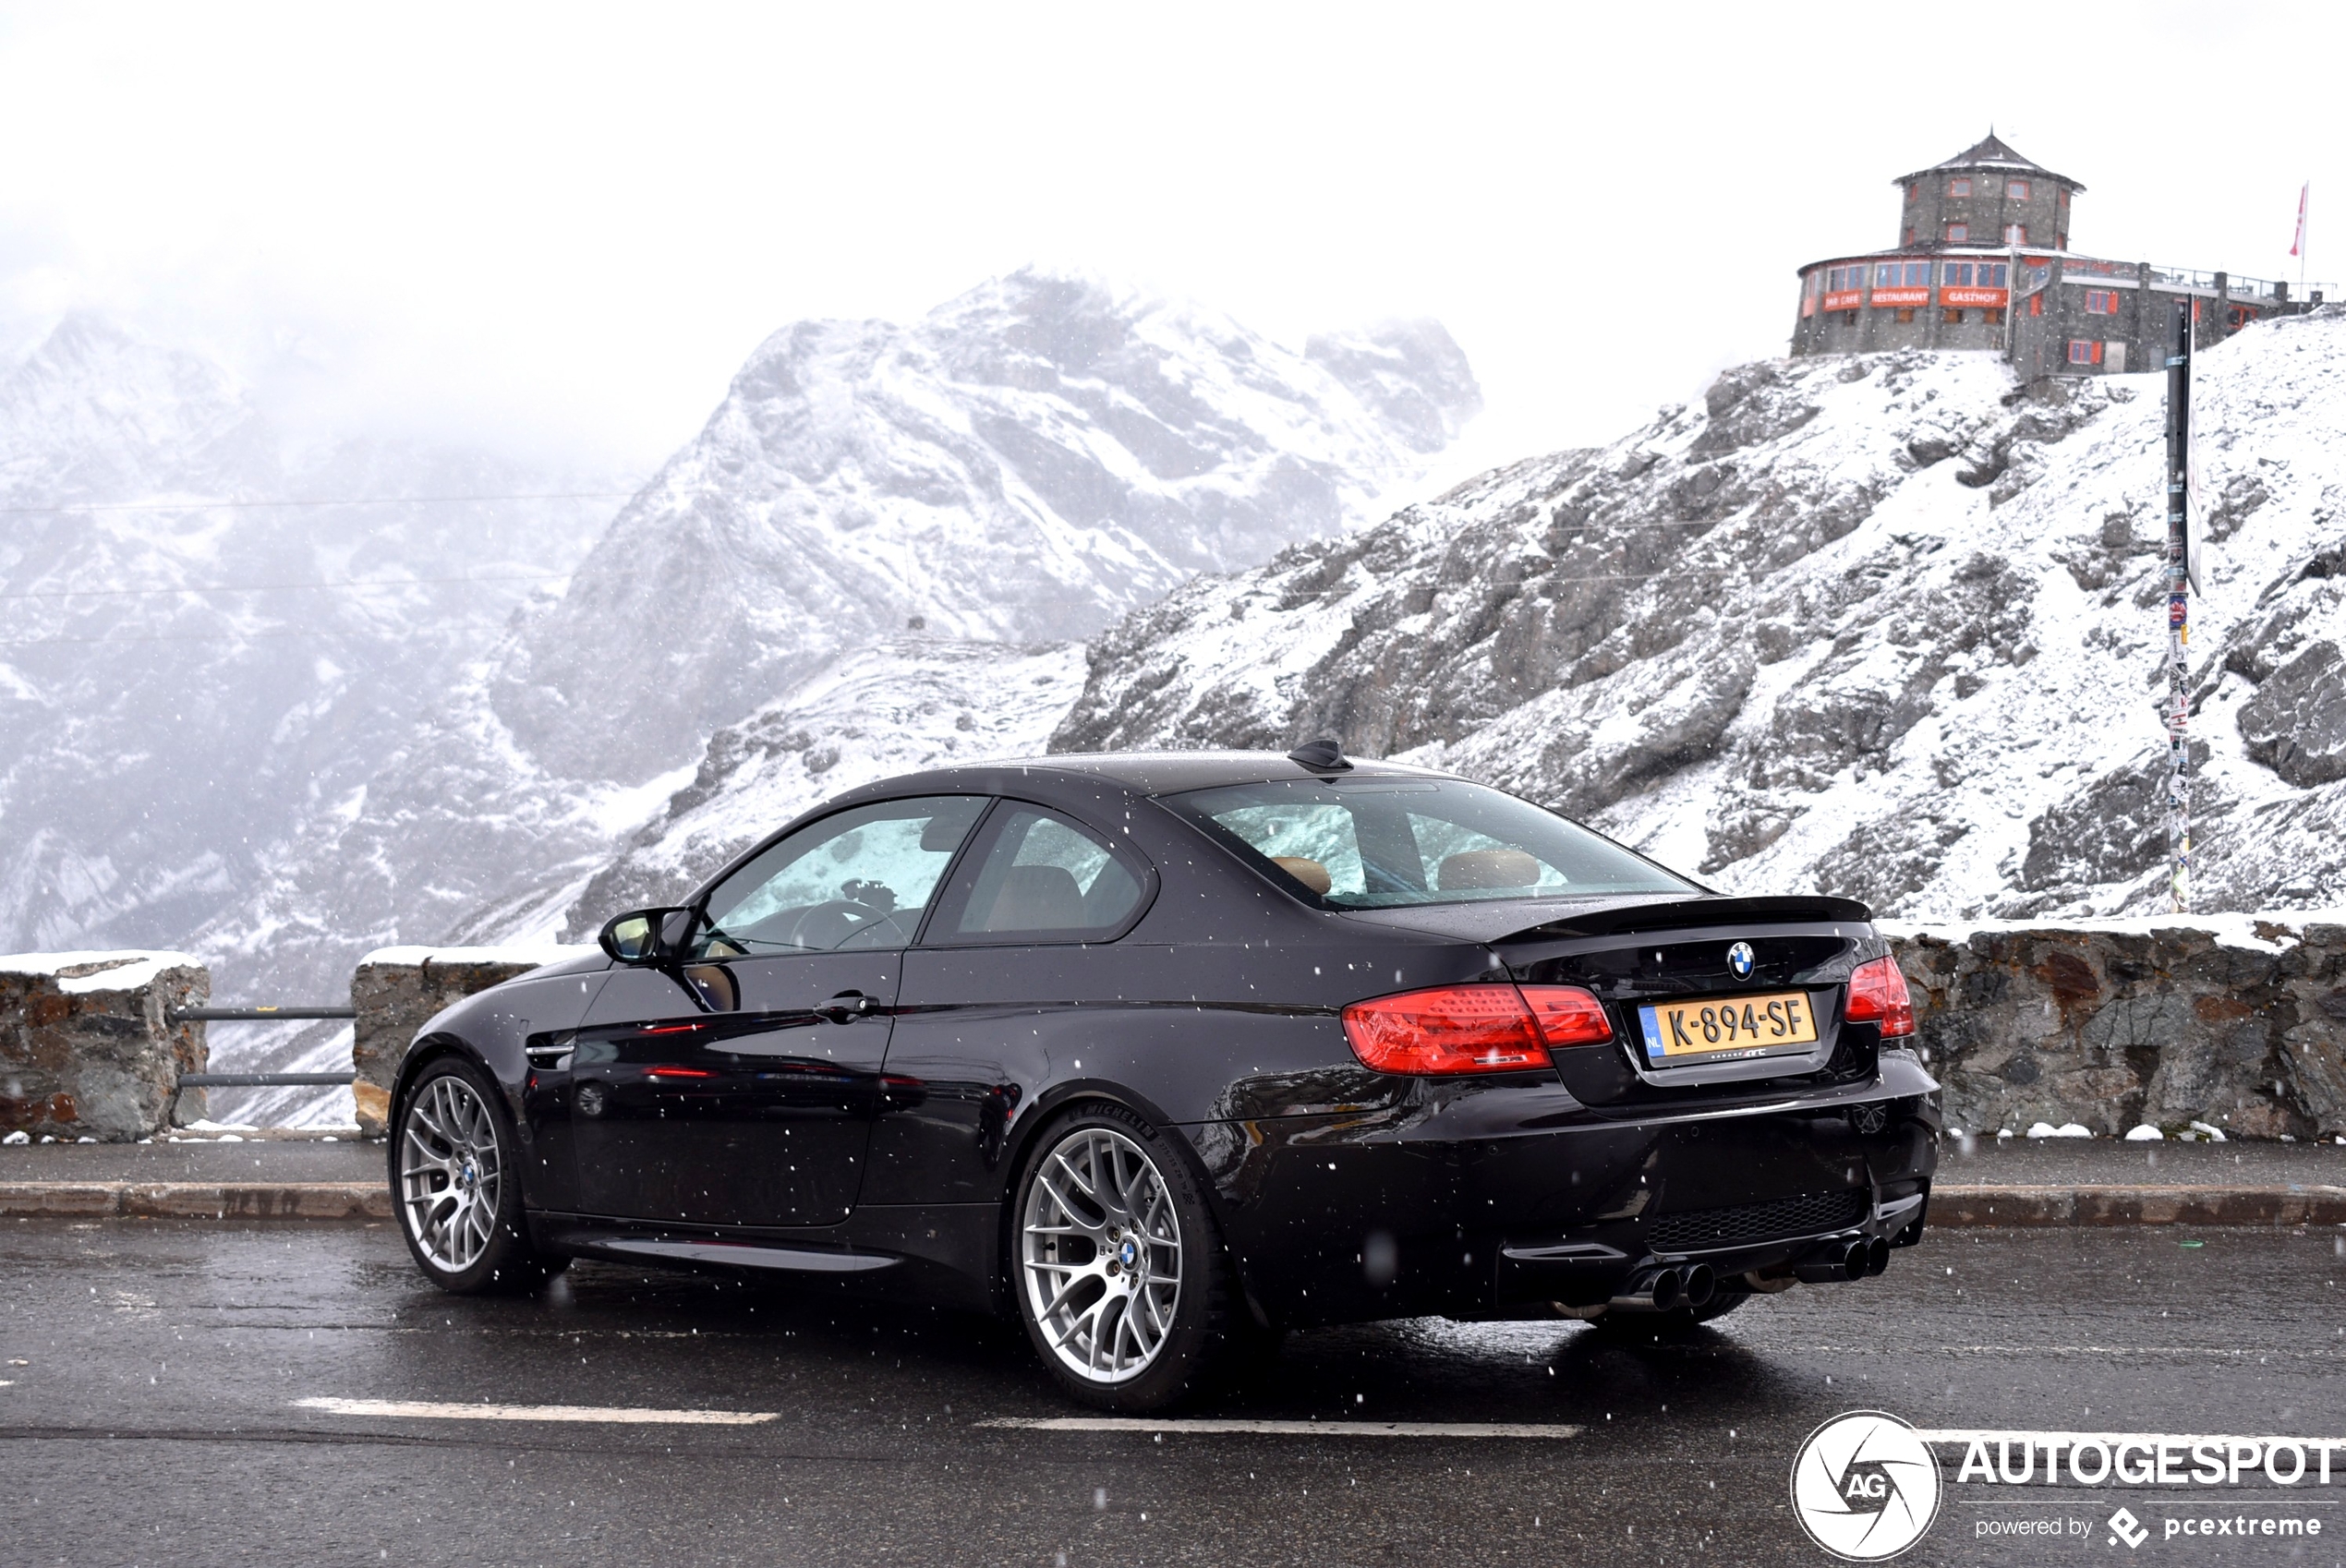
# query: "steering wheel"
829 924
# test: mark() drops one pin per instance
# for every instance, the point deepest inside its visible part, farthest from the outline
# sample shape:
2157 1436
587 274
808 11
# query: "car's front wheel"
1119 1273
456 1175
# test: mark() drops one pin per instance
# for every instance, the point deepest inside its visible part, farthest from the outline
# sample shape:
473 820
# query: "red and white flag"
2297 246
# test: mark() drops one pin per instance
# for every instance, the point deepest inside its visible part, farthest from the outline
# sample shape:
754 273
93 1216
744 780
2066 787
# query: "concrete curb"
1965 1207
196 1199
1951 1207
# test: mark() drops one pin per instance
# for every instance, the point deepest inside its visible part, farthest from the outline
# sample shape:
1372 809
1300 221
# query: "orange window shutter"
2096 352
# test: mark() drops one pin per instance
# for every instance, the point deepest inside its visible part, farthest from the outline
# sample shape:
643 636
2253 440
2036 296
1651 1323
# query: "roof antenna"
1322 755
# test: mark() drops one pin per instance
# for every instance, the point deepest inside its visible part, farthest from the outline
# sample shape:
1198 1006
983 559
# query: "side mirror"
648 937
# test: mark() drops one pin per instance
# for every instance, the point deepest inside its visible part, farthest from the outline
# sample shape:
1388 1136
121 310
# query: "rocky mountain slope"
1889 626
202 628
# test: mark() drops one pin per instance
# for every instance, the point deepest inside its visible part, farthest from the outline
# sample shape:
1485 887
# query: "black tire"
1676 1323
463 1222
1206 1330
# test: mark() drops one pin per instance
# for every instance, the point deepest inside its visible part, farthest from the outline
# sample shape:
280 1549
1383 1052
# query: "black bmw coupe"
1166 1053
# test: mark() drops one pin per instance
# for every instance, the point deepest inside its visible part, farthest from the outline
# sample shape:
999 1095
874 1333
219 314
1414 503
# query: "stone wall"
85 1050
2238 1021
395 991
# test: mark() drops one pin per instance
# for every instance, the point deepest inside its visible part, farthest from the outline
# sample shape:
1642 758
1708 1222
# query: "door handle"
847 1006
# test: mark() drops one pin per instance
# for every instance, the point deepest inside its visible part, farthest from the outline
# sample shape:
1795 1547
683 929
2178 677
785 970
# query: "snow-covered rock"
87 1047
1887 626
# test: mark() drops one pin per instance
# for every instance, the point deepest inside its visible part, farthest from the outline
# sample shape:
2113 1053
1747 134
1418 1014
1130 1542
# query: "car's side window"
1037 876
861 878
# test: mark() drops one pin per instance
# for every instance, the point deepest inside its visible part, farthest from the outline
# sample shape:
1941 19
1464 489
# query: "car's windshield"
1377 842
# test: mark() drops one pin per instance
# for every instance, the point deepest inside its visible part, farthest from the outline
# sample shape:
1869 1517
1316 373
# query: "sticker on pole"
1865 1486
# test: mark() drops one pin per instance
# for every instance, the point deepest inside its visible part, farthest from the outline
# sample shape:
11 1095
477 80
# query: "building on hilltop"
1983 263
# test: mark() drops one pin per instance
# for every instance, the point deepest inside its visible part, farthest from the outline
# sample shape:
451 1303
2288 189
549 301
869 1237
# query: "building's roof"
1991 152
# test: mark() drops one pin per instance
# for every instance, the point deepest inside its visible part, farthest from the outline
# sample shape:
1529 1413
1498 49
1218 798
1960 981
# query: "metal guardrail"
259 1079
251 1079
252 1015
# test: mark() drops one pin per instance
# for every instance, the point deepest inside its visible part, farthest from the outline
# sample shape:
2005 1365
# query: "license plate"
1726 1028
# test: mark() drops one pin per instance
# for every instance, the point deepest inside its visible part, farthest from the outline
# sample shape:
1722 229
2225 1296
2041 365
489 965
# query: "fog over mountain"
192 652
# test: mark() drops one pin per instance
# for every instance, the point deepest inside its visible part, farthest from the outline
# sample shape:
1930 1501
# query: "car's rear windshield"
1382 842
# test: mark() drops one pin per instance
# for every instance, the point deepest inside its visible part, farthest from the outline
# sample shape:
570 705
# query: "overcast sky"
560 229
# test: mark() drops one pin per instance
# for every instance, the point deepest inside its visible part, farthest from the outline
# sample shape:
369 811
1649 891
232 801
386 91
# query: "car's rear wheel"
456 1180
1117 1269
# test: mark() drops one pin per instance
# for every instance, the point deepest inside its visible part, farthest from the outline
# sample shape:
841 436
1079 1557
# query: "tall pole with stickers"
2177 711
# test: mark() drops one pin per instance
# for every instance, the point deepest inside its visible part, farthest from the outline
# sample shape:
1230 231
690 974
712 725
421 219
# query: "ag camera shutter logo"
1865 1486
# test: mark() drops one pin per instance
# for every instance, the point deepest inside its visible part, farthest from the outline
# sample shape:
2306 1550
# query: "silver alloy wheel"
1101 1252
450 1176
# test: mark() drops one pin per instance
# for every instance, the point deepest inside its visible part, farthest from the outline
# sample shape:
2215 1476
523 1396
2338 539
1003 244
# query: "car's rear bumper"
1519 1198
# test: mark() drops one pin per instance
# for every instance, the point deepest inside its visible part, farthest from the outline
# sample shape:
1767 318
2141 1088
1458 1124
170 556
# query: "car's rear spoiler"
1680 914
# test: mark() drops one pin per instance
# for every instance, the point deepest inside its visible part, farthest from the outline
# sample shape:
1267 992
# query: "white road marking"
430 1411
1285 1429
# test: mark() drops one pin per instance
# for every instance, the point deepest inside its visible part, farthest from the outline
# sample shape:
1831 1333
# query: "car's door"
1020 961
739 1086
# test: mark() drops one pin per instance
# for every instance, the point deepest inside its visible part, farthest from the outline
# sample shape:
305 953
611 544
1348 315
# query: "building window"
2101 302
1951 315
1849 317
1958 233
1959 185
1914 190
2015 233
2016 189
1995 314
2084 351
1994 274
1906 313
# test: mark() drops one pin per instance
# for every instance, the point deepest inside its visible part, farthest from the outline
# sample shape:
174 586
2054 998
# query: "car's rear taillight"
1471 1029
1878 994
1567 1015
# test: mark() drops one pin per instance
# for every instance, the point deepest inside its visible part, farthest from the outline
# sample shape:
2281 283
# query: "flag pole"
2179 608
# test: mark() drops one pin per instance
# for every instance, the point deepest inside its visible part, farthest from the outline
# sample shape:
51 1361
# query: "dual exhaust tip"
1692 1284
1689 1284
1836 1265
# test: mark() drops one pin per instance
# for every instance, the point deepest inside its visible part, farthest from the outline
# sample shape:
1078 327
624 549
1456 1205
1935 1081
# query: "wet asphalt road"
151 1419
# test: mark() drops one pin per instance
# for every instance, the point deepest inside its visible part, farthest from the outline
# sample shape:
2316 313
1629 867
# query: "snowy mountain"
1025 464
1888 626
867 504
203 630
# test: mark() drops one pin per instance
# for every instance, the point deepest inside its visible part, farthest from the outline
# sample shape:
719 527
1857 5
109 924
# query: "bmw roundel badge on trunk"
1739 959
